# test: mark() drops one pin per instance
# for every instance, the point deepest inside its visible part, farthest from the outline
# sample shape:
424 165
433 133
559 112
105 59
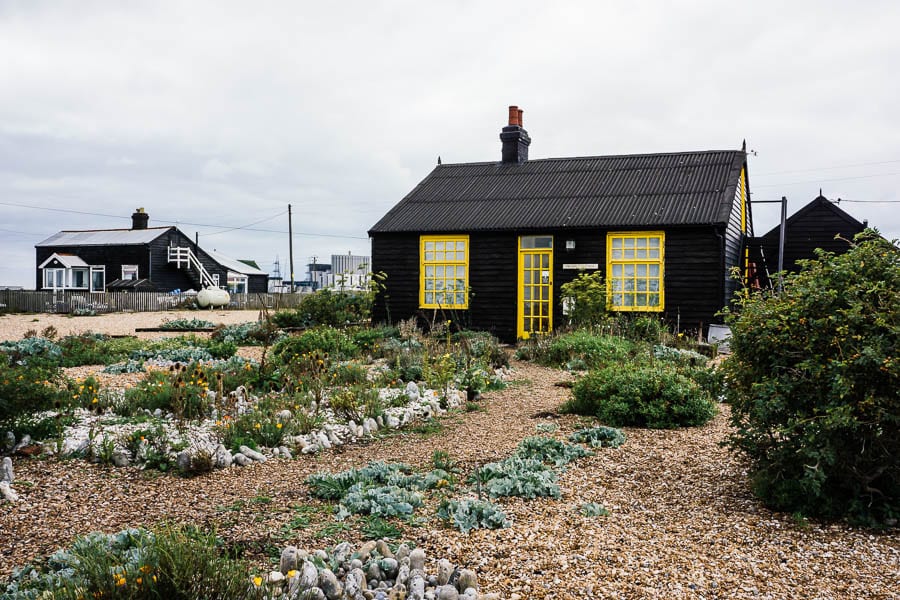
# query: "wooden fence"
74 302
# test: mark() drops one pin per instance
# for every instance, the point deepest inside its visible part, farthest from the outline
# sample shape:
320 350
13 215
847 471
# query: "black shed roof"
639 190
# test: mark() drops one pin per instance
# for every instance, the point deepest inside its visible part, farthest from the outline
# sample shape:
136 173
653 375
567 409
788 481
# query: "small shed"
488 244
816 225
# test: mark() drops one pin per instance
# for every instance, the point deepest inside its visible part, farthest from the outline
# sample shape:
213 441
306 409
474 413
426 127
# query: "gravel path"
682 522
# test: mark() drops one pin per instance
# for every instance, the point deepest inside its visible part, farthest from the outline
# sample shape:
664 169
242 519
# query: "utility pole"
781 234
291 246
314 274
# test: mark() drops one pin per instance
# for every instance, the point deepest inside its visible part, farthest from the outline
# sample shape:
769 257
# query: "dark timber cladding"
696 199
813 226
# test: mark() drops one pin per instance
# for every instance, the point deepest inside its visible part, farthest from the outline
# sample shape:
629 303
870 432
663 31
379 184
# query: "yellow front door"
535 306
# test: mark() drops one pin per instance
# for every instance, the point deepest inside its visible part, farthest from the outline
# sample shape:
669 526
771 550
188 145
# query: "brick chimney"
139 219
515 139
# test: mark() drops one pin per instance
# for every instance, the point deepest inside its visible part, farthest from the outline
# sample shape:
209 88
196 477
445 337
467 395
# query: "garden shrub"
242 334
334 342
327 307
372 339
261 426
654 396
182 563
96 349
593 350
28 388
585 298
813 383
181 389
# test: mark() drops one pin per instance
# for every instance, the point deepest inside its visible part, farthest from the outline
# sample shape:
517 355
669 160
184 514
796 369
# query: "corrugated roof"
688 188
234 265
104 237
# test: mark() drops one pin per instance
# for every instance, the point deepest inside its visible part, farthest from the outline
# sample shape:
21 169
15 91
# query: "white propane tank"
213 297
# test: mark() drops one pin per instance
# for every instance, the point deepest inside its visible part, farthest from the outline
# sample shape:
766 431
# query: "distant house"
140 258
813 226
489 244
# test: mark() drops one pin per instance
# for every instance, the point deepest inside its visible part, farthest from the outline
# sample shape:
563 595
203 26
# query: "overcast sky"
216 115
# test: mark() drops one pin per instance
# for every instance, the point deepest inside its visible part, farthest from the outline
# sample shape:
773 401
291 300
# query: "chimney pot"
514 116
520 122
515 139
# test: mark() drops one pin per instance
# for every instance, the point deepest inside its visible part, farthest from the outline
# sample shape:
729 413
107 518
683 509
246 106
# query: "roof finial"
744 145
820 191
439 159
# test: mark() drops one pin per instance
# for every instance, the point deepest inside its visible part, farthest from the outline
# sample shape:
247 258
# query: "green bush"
327 307
813 382
181 389
334 342
586 298
655 396
28 388
96 349
243 334
178 563
593 350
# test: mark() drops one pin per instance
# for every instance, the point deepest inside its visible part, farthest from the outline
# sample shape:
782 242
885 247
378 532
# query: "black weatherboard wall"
813 226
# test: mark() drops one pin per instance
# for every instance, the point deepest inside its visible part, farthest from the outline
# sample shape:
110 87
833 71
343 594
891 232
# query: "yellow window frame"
436 280
644 253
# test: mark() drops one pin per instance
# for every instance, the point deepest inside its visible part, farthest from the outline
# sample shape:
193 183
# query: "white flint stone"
6 470
252 454
7 492
241 460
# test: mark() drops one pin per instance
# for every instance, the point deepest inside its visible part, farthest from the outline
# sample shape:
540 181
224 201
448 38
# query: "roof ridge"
590 157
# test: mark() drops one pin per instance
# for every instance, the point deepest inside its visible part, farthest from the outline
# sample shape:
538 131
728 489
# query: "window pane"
545 292
641 285
628 300
527 277
640 299
617 254
617 243
429 284
439 298
439 272
545 261
617 285
641 242
654 242
654 270
629 270
641 253
617 270
429 245
629 242
439 245
429 271
461 272
629 285
429 298
429 256
629 253
654 253
642 270
653 299
618 300
653 285
460 298
527 261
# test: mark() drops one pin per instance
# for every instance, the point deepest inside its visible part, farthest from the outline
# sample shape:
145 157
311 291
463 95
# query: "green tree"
585 298
814 385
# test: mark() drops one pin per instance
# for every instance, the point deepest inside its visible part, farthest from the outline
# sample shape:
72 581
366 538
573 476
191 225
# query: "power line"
765 185
243 227
246 226
869 164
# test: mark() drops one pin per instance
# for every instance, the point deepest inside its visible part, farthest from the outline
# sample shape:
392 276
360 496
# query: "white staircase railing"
184 257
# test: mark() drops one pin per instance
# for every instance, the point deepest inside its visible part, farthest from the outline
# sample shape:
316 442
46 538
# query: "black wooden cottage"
141 258
489 244
813 226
